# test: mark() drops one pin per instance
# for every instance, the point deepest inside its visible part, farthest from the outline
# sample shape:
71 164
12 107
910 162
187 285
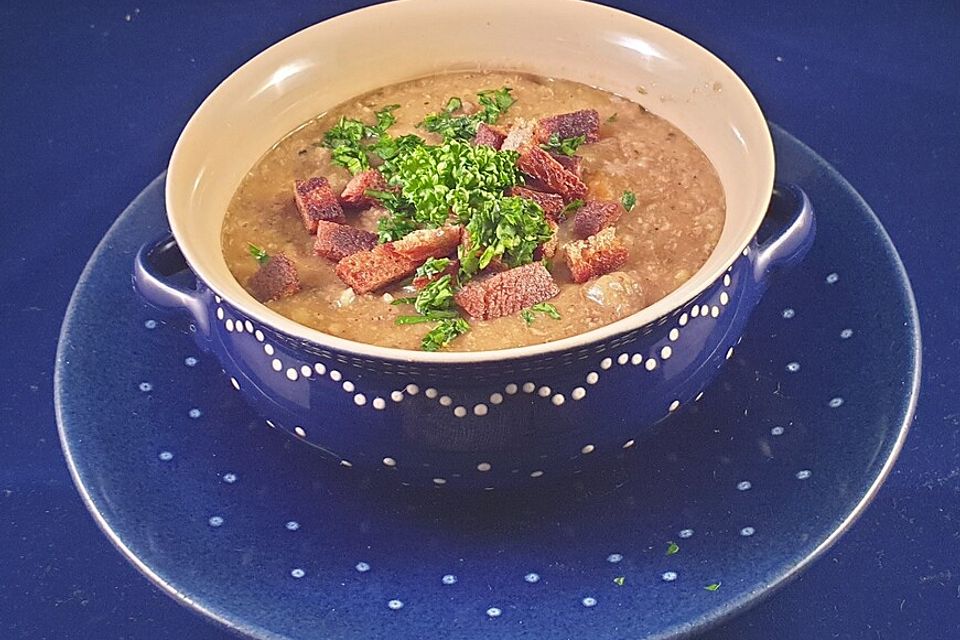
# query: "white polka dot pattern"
475 410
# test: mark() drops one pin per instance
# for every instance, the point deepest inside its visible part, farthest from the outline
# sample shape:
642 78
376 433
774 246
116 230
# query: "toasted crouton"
366 271
538 164
519 134
337 241
548 249
428 243
584 123
276 278
596 215
595 256
489 136
573 164
355 193
508 292
316 201
551 203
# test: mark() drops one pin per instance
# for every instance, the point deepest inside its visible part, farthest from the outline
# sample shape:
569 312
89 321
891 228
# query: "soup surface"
671 219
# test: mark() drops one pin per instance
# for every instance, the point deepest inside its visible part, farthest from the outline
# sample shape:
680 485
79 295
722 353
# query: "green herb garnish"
628 200
385 120
619 580
432 267
453 104
542 307
613 117
507 229
388 148
411 320
441 335
436 181
258 253
430 316
566 146
436 296
494 102
547 308
434 303
464 127
345 139
672 548
712 587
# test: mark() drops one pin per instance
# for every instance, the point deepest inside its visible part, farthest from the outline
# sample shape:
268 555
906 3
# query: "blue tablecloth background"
94 94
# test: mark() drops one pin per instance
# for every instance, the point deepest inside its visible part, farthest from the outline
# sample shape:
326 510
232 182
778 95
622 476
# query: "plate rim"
681 630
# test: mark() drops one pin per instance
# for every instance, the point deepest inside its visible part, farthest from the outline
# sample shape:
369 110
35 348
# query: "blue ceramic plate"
729 500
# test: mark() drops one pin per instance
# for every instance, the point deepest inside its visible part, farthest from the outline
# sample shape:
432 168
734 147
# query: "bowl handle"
788 232
155 265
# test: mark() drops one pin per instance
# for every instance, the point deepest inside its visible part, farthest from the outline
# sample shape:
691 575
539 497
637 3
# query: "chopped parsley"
566 146
430 316
345 139
464 127
432 267
548 309
672 548
613 117
388 148
434 303
453 104
436 181
619 581
258 253
712 587
494 102
441 335
506 228
385 120
436 296
628 200
543 307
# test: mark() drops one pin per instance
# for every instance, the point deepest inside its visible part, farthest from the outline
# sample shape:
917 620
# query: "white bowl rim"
673 301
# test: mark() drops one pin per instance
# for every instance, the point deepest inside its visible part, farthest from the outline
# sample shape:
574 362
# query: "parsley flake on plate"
628 200
672 548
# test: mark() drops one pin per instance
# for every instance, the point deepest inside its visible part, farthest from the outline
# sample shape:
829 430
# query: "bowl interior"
321 66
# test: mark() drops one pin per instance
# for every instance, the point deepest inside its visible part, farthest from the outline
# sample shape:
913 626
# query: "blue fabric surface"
92 98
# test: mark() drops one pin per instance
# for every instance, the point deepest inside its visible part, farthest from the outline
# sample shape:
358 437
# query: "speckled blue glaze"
751 483
483 425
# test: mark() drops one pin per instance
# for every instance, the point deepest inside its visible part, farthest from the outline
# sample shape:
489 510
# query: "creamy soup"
671 218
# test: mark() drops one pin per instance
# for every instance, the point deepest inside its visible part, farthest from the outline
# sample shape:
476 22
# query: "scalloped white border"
481 409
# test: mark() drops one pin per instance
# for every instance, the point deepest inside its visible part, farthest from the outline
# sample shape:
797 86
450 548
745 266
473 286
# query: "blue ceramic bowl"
492 418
